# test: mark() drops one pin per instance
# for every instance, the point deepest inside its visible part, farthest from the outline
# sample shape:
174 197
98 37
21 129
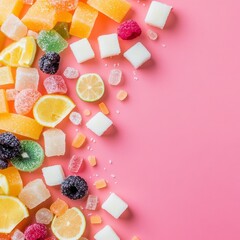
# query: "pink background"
175 149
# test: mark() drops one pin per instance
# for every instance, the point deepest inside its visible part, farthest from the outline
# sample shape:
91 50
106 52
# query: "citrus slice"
12 212
19 54
50 110
69 226
4 187
90 87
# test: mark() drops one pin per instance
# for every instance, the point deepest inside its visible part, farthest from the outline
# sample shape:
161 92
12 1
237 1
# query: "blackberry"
49 63
3 164
9 146
74 187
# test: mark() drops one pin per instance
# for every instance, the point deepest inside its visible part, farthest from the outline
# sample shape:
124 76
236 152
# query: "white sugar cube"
53 175
82 50
137 55
99 123
109 45
157 14
114 205
54 142
107 233
26 78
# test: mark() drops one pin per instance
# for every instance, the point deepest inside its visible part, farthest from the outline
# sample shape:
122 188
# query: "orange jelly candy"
95 219
100 184
59 207
92 160
3 102
103 108
83 20
79 140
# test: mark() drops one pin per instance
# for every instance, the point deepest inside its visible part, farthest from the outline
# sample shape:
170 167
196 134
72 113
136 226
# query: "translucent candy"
115 77
62 28
100 184
71 73
103 108
75 163
51 41
44 216
135 238
122 95
25 100
87 112
64 5
92 161
34 193
152 35
11 94
78 140
96 219
29 2
75 118
55 84
17 235
14 28
59 207
92 202
32 34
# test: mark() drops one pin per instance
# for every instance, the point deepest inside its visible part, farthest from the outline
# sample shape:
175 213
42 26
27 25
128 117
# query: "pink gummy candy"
129 30
25 100
55 84
71 73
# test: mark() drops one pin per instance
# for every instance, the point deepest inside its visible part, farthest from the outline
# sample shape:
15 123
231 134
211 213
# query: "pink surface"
175 149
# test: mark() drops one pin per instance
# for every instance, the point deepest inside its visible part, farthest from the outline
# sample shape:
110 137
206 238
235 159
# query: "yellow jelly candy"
6 76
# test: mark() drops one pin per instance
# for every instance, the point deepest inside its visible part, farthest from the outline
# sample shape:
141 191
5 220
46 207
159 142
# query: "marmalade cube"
82 50
107 233
114 205
53 175
114 9
26 78
34 193
83 20
109 45
99 123
157 14
6 76
13 28
137 55
54 142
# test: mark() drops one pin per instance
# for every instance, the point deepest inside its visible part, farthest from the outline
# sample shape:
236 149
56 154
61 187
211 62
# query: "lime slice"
90 87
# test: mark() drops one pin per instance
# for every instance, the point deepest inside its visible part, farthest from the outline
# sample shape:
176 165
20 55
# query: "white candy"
109 45
53 175
107 233
99 123
137 55
114 205
54 142
157 14
82 50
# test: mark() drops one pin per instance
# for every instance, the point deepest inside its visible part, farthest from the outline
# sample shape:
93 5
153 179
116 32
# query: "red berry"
129 30
36 231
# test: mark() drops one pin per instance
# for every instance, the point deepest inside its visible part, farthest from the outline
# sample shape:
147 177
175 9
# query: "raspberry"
9 146
3 164
74 187
49 63
129 30
36 231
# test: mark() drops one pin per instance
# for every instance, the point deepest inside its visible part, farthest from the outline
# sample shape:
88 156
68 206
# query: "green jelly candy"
63 29
51 41
31 158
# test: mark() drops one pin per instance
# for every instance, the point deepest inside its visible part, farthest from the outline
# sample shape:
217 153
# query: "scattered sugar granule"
95 219
110 161
87 112
71 73
99 184
152 35
103 108
122 95
115 77
113 175
117 112
75 118
92 160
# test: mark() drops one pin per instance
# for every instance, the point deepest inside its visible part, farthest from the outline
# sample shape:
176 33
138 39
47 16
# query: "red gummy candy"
55 84
129 30
36 231
25 100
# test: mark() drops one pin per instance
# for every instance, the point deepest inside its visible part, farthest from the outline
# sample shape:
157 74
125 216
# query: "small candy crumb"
100 184
17 235
75 118
110 161
152 35
92 161
87 112
117 111
75 163
96 219
79 140
121 95
103 108
92 202
71 73
135 238
59 207
115 77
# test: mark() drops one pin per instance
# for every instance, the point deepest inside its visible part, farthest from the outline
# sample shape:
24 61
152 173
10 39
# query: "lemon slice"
19 54
69 226
4 186
50 110
90 87
12 212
